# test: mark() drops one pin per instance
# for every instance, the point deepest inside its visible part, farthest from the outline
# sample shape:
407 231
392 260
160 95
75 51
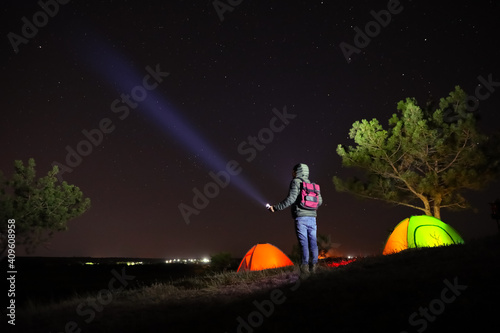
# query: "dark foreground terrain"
448 289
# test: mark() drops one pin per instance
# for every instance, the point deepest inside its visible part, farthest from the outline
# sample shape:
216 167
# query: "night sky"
168 92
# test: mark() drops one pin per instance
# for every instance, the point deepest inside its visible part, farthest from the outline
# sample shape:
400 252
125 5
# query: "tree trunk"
437 207
437 212
427 206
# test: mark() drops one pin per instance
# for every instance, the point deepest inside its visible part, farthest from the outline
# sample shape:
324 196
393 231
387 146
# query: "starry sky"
160 96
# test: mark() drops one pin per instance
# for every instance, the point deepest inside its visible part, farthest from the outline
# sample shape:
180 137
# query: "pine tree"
39 206
426 158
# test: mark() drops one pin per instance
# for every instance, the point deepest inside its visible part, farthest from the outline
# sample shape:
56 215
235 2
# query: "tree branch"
457 154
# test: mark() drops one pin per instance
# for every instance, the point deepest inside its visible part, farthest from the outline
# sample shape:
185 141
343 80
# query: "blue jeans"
305 227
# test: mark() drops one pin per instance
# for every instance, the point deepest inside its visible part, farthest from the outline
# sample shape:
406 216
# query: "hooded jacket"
293 198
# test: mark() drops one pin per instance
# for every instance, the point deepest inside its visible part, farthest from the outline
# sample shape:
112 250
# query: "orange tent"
264 256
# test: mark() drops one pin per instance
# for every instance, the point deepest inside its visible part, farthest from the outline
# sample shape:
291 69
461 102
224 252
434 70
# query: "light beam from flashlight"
119 73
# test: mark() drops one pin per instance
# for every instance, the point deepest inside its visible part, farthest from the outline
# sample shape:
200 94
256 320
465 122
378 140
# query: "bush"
220 261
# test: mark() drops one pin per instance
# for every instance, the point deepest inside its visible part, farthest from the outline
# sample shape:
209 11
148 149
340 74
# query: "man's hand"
271 209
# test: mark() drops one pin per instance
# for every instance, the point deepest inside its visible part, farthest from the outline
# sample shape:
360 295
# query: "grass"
376 294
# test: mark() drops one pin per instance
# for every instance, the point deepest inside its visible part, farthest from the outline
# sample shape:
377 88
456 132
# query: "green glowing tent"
421 231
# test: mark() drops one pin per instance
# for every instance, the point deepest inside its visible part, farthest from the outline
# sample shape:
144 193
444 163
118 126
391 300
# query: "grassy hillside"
448 289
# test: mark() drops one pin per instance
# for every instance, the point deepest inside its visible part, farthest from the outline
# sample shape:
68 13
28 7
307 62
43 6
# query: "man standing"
305 219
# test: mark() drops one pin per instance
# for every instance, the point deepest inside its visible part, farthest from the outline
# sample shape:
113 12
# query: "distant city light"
203 260
131 263
188 261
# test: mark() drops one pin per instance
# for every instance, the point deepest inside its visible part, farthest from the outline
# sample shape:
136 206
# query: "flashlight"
268 206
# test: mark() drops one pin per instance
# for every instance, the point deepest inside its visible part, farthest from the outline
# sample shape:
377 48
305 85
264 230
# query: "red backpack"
309 195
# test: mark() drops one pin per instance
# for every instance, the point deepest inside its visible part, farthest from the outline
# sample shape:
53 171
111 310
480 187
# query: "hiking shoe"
314 268
304 270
